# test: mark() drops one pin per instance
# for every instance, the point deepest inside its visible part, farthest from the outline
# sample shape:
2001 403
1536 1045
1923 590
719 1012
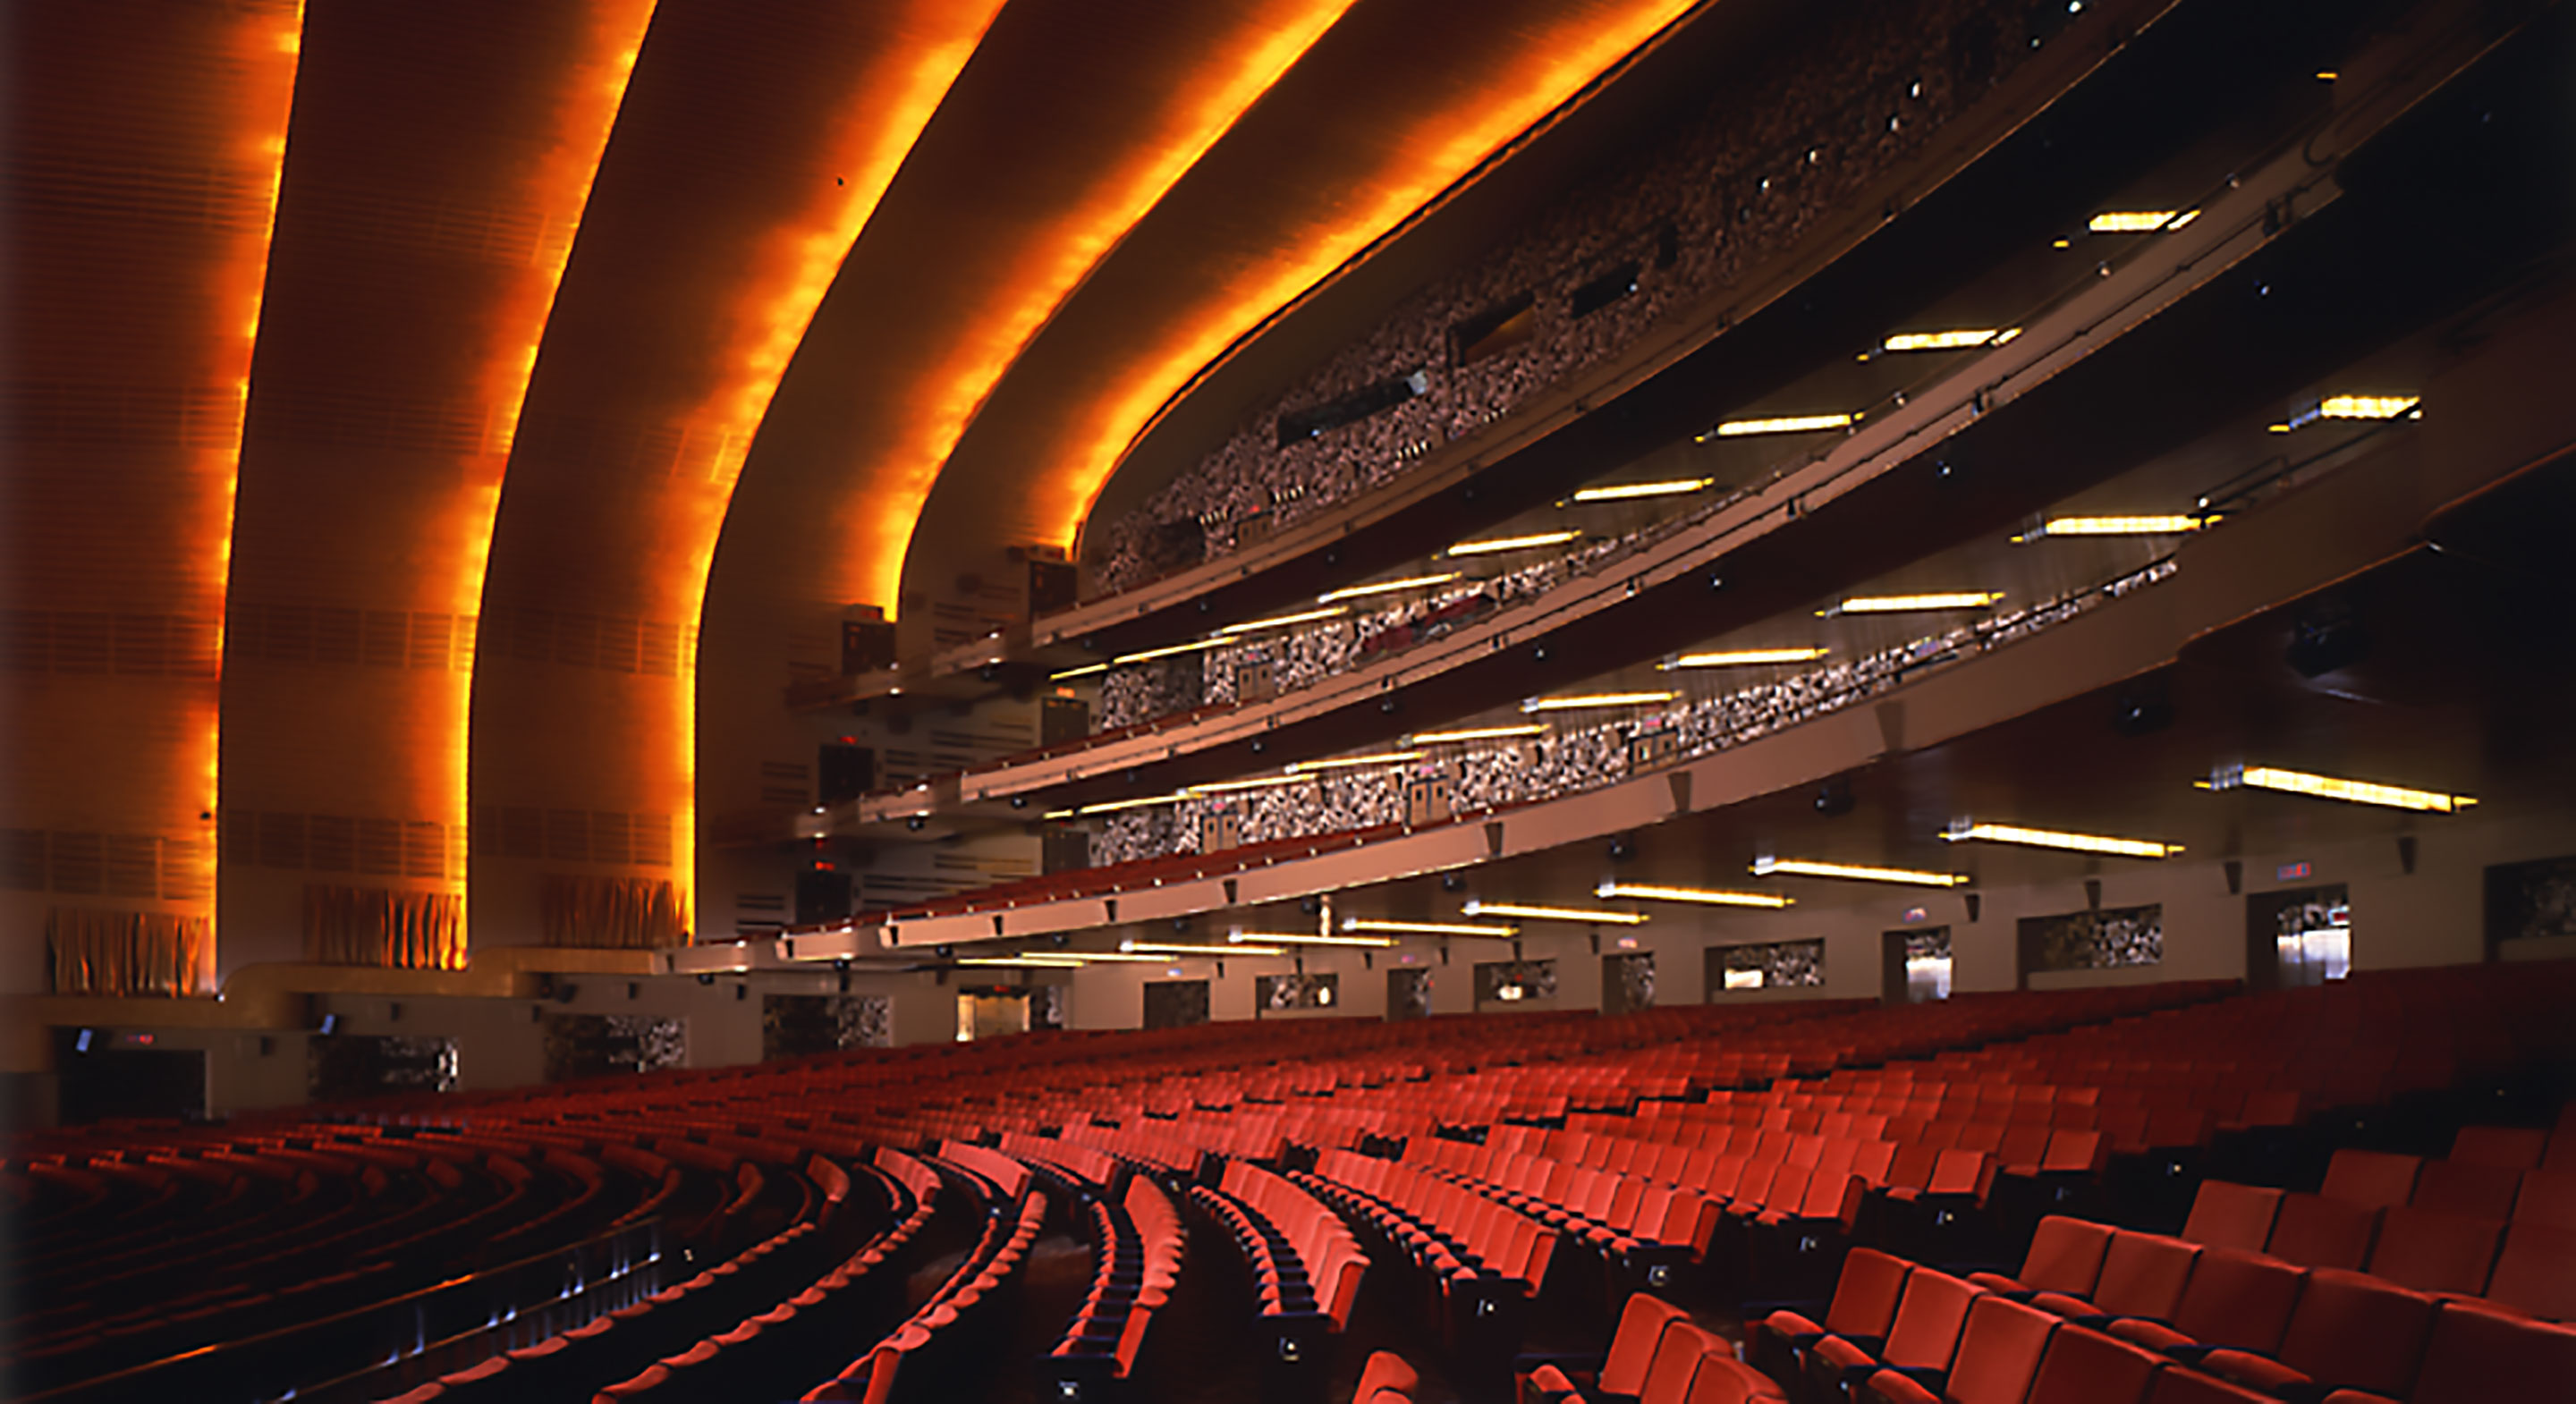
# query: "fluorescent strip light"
1160 948
2140 221
1900 604
1113 806
1625 492
1949 340
1530 913
1512 543
1784 424
2299 782
1198 646
1744 657
1078 672
1476 733
1419 582
1347 762
1283 621
2119 526
2366 406
1267 782
1044 962
1428 928
1596 699
1646 893
1283 938
1964 830
1801 867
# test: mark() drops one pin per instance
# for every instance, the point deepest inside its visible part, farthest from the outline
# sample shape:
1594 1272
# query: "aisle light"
1428 928
1645 892
1284 620
1783 424
1964 830
1628 492
1901 604
1531 913
1476 733
1744 657
1949 340
1511 543
2299 782
1353 592
2139 221
1347 762
1163 948
1309 938
2115 526
1596 699
1802 867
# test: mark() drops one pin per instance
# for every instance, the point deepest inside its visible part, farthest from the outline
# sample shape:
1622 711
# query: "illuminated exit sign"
2292 872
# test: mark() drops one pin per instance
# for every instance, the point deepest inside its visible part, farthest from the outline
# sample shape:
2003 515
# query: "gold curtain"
379 927
619 913
129 953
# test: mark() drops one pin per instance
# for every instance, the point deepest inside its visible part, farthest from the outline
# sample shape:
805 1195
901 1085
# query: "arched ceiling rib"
752 148
1063 132
438 169
1396 104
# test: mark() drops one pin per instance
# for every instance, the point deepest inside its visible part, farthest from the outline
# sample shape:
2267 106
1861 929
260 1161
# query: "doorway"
1914 965
992 1011
2298 937
1627 982
1408 993
103 1073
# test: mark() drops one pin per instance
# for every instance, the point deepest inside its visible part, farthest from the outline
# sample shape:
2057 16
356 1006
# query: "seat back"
2065 1255
2547 1197
2084 1367
1999 1352
2377 1179
2354 1330
2476 1356
2225 1215
1386 1370
1925 1333
2316 1231
1723 1380
1865 1297
2239 1299
2143 1274
2503 1147
2461 1187
2432 1251
1676 1364
1632 1347
2537 1271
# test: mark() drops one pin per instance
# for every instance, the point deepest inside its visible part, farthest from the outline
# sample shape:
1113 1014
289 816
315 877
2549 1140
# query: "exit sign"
2292 872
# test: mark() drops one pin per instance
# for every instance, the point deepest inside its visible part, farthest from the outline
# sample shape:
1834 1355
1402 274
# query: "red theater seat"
2225 1215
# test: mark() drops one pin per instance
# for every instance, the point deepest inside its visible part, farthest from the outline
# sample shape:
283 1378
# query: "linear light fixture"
1627 492
1802 867
1476 733
1194 646
1745 657
1160 948
1266 782
1428 928
1040 962
1309 938
2300 782
1113 806
2139 221
1348 762
1082 672
1781 424
1384 587
1596 699
2352 407
1901 604
2116 526
1644 892
1532 913
1283 621
1512 543
1949 340
1964 830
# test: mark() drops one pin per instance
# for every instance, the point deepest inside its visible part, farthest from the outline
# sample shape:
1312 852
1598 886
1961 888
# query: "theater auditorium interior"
1100 701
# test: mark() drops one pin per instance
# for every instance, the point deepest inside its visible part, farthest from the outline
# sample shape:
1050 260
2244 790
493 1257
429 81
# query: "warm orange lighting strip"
261 80
1055 257
782 287
1554 66
554 194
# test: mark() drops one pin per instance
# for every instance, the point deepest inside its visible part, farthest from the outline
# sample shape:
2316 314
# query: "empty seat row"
1139 1241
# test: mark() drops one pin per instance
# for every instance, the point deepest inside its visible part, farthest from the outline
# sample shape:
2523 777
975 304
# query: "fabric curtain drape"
380 927
616 913
129 953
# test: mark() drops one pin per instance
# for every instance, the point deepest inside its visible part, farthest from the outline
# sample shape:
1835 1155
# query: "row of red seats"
934 1330
1657 1355
1138 1242
1303 1258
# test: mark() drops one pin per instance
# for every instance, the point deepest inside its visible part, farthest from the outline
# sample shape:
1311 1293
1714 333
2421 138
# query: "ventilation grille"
609 643
333 843
348 638
572 835
82 641
103 865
